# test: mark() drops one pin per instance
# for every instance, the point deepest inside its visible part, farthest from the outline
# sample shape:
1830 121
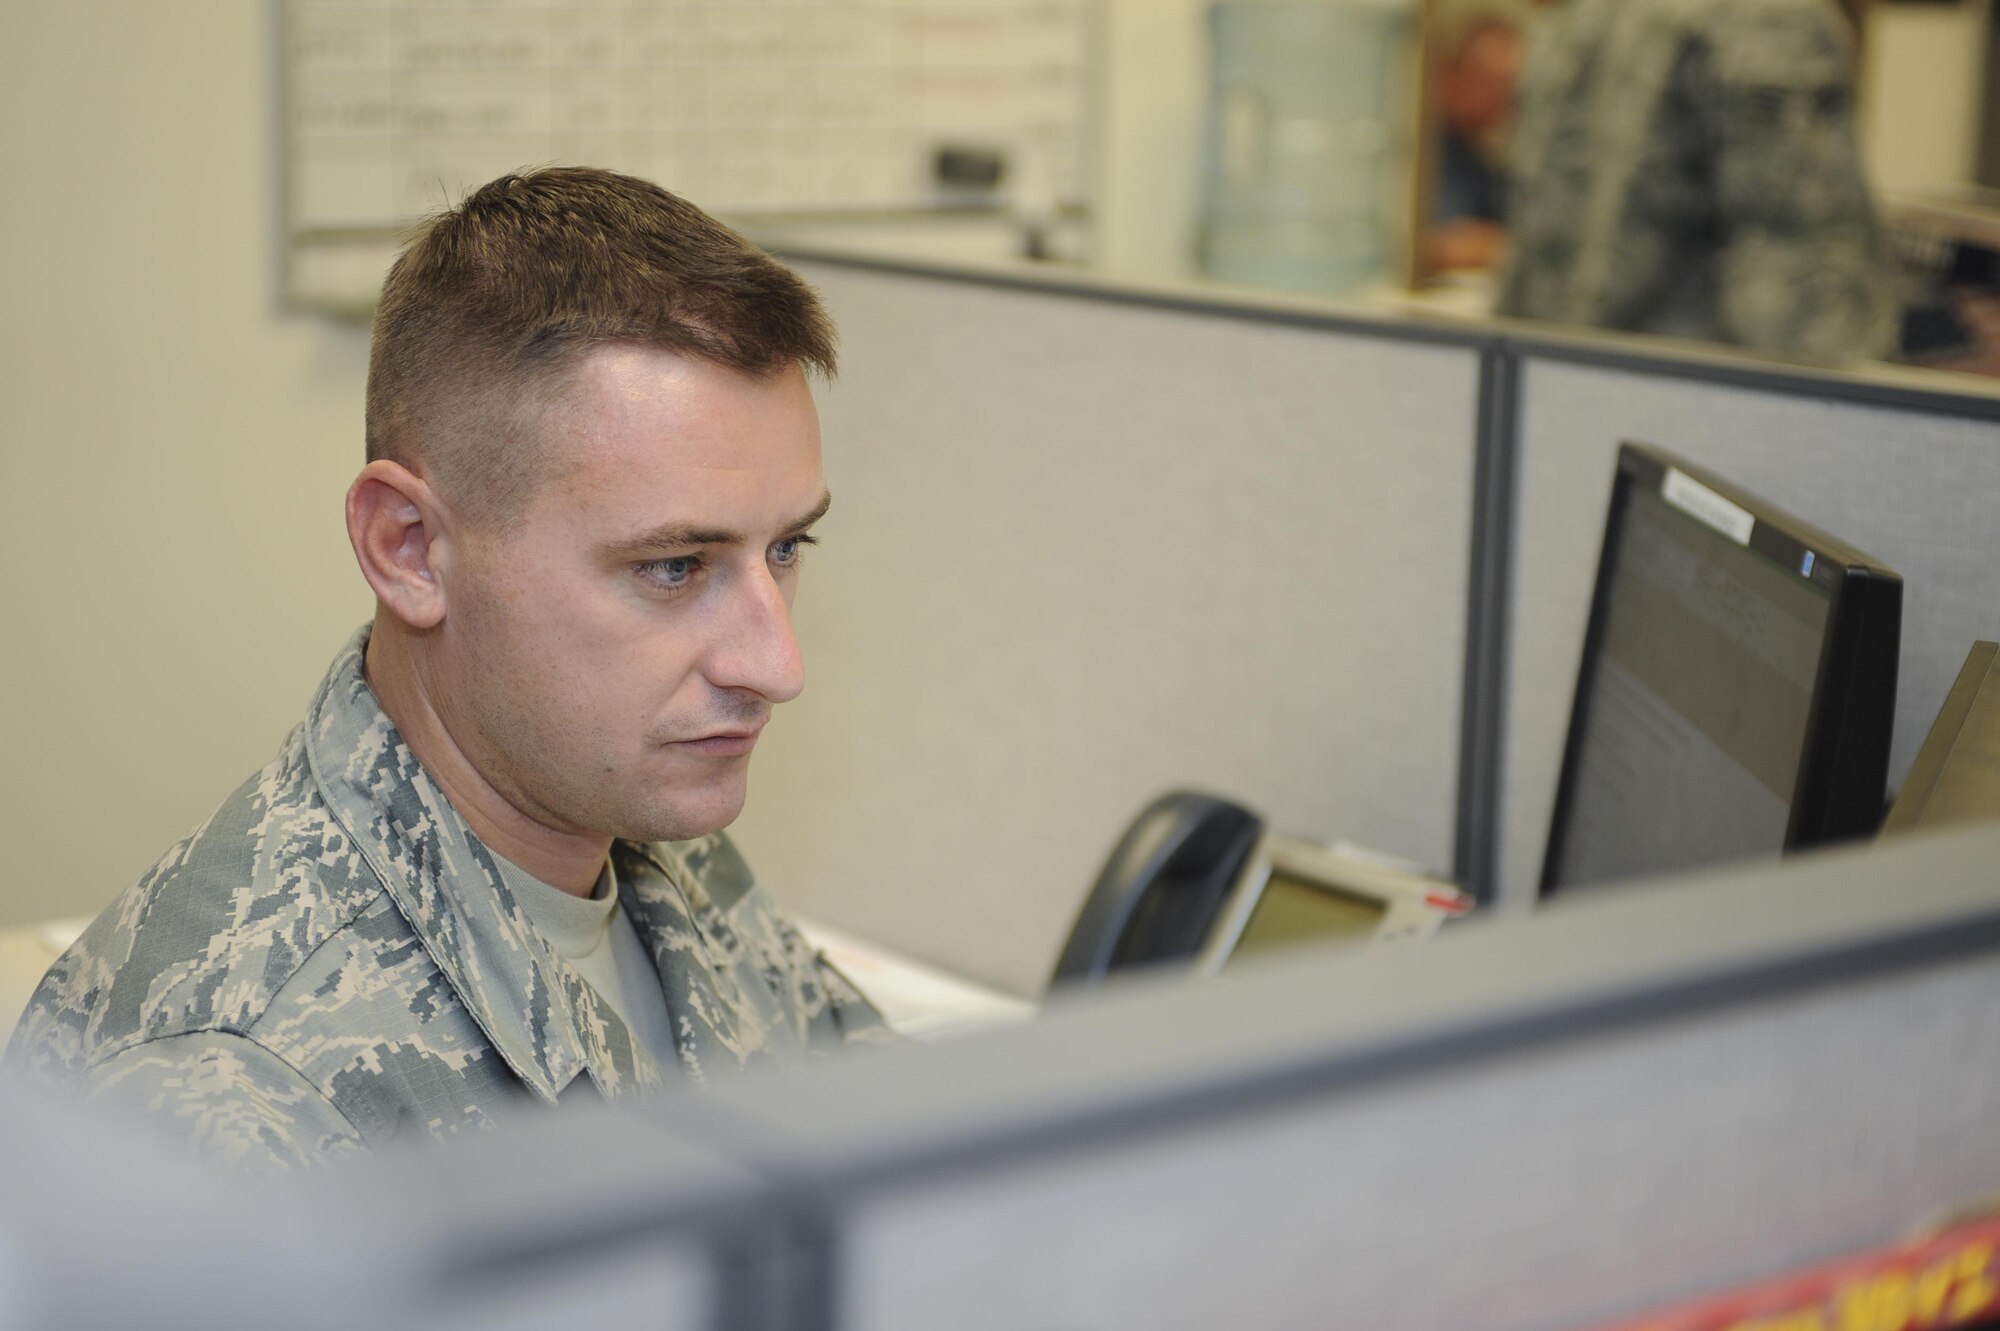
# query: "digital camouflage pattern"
1689 168
333 961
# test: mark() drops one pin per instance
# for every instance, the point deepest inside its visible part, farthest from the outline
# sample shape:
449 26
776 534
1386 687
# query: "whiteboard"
751 108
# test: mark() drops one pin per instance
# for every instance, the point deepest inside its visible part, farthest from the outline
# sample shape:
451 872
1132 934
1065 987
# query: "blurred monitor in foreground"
1737 687
1956 778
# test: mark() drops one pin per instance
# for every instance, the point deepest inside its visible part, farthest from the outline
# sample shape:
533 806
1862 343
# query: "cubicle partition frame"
759 1203
1506 350
1159 1059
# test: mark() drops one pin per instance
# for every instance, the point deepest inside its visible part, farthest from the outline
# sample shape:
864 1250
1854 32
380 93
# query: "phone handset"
1160 892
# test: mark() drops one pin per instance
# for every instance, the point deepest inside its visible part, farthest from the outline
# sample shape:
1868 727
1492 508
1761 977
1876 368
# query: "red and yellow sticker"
1947 1279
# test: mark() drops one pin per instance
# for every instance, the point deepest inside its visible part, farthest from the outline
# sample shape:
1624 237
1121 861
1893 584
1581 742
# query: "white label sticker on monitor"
1704 505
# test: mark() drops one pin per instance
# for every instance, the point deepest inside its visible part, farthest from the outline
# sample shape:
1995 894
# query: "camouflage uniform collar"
542 1018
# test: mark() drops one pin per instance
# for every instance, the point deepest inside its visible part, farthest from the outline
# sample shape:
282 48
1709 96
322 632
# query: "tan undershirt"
594 935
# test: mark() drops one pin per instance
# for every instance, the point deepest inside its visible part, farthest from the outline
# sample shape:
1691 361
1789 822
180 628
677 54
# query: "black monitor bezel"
1844 769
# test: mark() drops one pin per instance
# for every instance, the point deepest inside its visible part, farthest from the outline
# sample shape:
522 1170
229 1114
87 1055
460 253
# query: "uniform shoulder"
1776 43
207 938
225 1099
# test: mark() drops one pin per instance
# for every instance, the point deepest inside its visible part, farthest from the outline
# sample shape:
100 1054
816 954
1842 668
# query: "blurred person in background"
1479 48
1689 168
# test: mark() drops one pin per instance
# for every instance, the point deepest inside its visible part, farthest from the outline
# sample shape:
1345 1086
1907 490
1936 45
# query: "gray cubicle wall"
1088 545
1907 469
1532 1123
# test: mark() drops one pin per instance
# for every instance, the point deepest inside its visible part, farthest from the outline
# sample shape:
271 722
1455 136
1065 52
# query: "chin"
684 819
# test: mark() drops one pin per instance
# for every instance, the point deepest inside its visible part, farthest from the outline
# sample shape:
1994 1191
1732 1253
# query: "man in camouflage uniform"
1689 168
593 463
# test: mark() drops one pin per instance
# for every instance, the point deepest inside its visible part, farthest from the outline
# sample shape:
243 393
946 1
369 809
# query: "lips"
721 743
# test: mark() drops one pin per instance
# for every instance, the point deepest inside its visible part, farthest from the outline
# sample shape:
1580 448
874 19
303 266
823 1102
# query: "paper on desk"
918 1001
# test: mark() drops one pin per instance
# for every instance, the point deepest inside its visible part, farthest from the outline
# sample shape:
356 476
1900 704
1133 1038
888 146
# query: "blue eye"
671 573
788 552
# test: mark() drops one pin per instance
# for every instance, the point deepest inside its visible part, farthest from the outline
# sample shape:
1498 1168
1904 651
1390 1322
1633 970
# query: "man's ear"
395 524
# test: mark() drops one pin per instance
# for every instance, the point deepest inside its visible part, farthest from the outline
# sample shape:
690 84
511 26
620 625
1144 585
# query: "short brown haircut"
496 300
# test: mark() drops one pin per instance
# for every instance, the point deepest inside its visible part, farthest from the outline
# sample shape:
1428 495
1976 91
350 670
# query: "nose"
756 648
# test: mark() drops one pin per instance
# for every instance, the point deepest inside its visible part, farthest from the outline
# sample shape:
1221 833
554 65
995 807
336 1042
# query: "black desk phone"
1198 881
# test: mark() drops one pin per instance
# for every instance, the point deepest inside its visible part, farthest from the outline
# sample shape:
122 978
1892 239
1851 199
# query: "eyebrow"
680 535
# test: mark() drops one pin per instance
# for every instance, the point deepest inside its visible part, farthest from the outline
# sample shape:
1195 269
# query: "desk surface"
917 1000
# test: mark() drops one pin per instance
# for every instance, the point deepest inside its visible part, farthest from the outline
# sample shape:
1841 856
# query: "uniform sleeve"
1803 270
849 1016
227 1099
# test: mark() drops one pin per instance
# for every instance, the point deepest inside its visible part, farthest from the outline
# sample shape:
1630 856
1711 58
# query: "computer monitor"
1956 777
1737 687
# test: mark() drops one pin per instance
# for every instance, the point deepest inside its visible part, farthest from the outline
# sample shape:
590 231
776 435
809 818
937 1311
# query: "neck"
567 860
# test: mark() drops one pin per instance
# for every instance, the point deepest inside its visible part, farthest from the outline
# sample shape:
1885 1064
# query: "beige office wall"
176 447
1155 74
1923 81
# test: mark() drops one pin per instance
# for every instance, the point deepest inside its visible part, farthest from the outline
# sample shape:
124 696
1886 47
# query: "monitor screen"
1733 682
